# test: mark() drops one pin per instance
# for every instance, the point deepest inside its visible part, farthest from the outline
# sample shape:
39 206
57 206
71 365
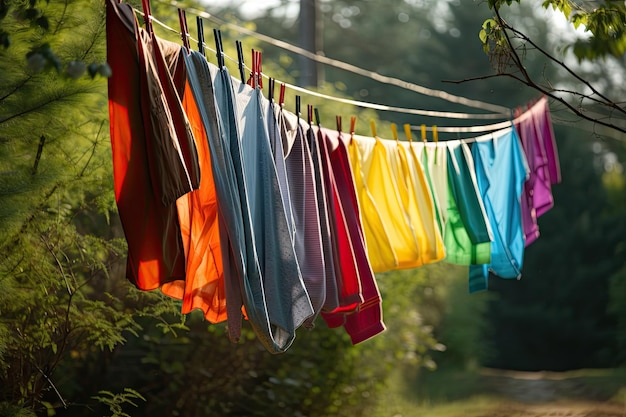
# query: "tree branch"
608 102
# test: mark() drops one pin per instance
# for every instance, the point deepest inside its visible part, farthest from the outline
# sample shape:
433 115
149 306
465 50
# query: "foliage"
510 48
59 303
605 24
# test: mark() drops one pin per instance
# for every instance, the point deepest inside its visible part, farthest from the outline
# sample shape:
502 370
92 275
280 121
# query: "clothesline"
497 109
475 129
363 104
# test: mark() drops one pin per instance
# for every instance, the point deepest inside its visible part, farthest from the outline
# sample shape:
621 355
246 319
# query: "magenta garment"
537 138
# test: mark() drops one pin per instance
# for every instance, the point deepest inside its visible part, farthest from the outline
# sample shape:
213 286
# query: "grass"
490 393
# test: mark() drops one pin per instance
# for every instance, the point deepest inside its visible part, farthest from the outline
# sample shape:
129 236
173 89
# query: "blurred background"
77 340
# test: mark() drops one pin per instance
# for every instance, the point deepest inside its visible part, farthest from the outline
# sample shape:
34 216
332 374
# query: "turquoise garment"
501 170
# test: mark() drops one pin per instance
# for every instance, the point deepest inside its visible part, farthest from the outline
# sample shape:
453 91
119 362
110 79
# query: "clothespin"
424 134
281 97
259 69
394 131
256 80
184 33
317 117
309 114
270 94
147 15
338 120
407 132
219 50
435 134
242 72
373 126
200 26
352 126
298 107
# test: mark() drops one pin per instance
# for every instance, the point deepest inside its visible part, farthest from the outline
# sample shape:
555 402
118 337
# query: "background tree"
509 45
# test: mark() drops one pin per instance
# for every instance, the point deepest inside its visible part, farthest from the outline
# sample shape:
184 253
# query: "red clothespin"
259 69
147 15
281 96
184 32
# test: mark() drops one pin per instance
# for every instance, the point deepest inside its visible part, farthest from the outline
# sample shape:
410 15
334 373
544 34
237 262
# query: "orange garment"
203 287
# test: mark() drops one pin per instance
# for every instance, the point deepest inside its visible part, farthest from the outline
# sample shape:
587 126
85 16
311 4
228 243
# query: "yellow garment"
379 250
377 174
433 250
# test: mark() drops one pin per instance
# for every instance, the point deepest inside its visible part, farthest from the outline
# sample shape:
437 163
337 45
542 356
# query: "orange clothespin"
394 131
407 132
373 126
352 126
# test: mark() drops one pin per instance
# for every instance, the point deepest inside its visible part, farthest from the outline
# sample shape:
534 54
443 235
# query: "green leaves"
117 402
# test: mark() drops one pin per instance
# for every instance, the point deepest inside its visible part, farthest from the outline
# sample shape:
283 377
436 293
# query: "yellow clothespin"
373 125
407 132
424 133
394 131
435 135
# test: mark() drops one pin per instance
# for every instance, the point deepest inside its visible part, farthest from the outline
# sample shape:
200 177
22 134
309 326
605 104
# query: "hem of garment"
359 334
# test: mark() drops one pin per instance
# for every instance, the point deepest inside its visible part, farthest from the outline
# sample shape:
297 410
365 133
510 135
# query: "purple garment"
537 138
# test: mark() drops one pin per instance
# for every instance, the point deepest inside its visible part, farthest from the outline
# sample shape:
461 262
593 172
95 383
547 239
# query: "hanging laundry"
416 177
203 287
421 222
434 160
288 303
348 282
367 321
468 233
288 220
501 170
244 287
306 215
155 251
535 133
379 249
381 184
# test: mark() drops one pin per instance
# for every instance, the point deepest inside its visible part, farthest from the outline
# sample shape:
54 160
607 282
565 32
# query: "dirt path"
538 394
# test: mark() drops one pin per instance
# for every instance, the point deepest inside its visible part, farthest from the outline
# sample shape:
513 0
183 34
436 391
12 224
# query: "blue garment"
259 227
288 303
501 170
